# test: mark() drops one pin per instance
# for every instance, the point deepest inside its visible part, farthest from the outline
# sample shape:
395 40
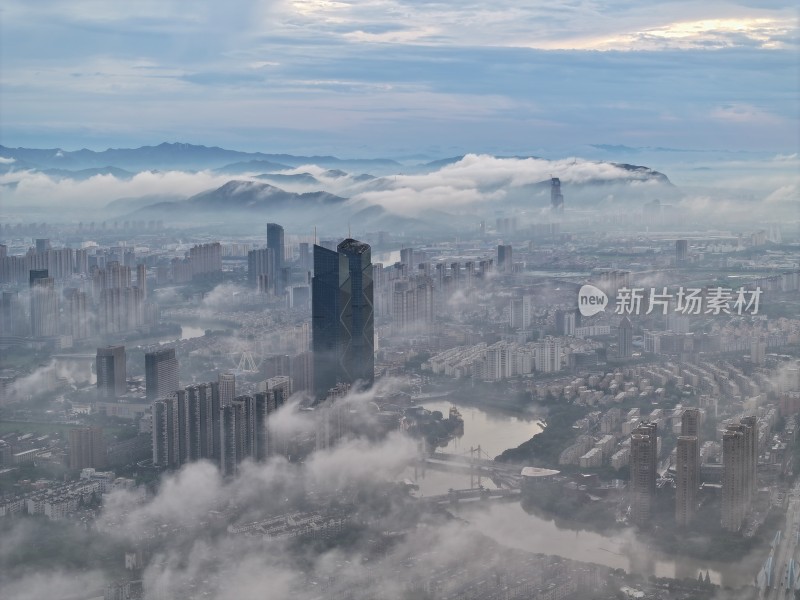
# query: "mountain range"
381 193
172 156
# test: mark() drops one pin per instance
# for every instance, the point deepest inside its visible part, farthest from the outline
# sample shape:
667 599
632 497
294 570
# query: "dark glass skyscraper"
342 320
275 243
556 197
111 372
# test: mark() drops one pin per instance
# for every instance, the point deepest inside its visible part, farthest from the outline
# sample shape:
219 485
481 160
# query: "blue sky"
395 77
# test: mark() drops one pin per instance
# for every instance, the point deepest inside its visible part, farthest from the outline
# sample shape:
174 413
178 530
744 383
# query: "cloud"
706 34
46 378
62 194
395 75
743 113
53 584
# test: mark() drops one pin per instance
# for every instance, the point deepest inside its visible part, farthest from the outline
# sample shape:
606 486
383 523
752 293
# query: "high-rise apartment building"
227 388
111 372
44 304
750 424
412 305
260 262
690 422
644 471
625 338
641 479
87 448
141 279
206 259
160 373
687 479
166 448
343 337
407 257
734 505
192 424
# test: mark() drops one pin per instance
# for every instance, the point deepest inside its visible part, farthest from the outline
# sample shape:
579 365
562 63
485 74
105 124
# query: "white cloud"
36 188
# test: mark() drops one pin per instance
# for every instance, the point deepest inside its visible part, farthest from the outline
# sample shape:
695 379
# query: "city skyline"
399 300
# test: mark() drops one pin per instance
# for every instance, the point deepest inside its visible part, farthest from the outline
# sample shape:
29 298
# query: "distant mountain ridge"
172 156
243 197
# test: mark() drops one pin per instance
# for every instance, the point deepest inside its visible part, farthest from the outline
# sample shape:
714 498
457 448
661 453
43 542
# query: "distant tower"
625 338
505 258
111 372
161 373
681 251
556 197
275 243
343 331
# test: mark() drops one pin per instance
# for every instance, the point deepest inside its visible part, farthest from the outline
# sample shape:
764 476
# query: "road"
786 550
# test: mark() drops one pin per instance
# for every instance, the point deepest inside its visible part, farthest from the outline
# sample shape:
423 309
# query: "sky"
401 77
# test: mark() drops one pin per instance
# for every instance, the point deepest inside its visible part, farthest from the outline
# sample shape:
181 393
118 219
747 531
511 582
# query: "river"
510 525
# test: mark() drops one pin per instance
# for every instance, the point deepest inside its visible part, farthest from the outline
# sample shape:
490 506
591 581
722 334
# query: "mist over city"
399 301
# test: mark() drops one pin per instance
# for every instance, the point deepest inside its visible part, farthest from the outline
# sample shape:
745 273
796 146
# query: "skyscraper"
44 304
687 479
227 388
141 279
750 424
161 373
505 258
87 448
78 318
625 338
111 372
412 305
733 474
690 422
275 243
205 259
644 471
166 449
343 335
230 424
260 262
642 478
556 198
